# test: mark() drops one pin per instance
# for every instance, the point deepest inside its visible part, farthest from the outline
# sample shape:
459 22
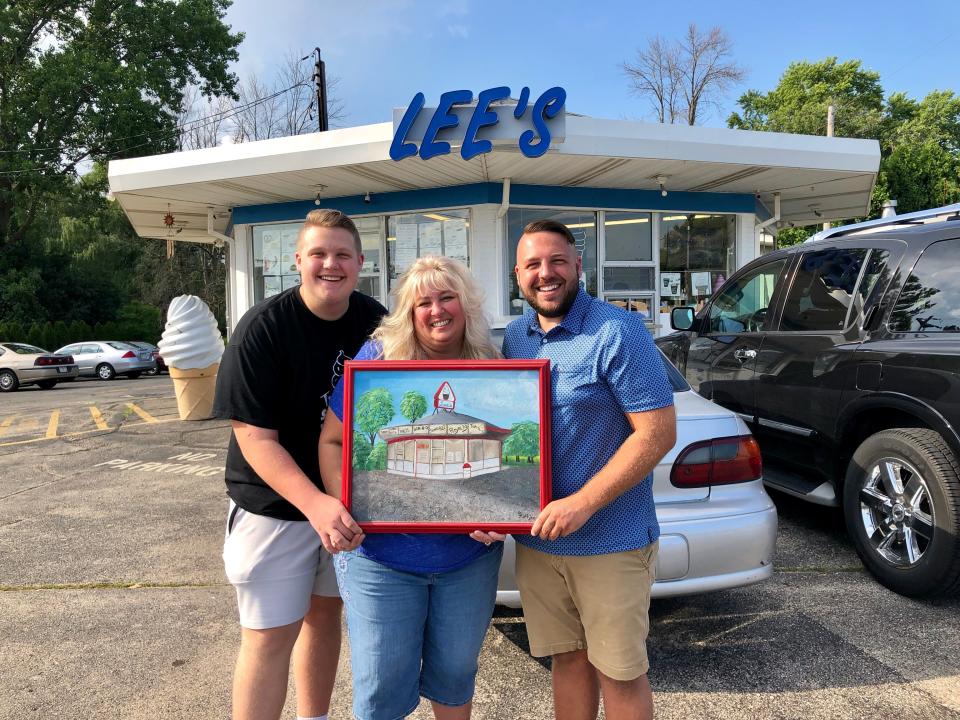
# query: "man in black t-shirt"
283 360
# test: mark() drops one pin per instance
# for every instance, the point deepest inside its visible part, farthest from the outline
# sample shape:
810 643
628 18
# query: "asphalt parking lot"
113 601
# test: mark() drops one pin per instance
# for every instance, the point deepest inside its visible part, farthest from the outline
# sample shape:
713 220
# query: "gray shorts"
275 566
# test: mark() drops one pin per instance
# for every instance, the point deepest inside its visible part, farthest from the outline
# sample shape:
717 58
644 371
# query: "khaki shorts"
596 602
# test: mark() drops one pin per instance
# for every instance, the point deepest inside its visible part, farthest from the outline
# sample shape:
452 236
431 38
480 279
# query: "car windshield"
22 349
119 345
677 381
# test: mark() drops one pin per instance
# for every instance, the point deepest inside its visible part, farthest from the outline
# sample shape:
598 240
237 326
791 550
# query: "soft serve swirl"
191 338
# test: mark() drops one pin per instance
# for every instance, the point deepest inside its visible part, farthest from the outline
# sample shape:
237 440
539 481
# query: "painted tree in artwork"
374 410
378 457
524 440
361 451
413 405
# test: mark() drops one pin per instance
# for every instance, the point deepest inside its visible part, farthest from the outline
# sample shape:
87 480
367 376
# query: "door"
808 357
721 361
90 355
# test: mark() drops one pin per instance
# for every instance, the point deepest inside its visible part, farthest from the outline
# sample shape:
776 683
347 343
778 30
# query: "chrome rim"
897 512
105 372
6 381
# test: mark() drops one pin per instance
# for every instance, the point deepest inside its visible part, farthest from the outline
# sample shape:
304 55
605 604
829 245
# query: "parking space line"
52 425
98 418
147 417
5 425
79 432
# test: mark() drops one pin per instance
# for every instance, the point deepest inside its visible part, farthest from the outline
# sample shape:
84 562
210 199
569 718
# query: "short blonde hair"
396 333
323 217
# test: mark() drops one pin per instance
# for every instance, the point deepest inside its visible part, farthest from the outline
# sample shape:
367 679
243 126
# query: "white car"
22 364
718 525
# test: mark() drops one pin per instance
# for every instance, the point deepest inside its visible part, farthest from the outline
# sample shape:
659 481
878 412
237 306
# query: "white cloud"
458 31
453 7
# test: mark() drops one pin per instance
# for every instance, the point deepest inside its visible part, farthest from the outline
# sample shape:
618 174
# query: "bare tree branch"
682 80
655 75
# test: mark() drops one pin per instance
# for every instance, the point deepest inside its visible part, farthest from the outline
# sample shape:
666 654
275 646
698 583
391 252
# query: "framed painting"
446 446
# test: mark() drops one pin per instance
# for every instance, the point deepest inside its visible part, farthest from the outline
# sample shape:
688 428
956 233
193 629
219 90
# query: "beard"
556 309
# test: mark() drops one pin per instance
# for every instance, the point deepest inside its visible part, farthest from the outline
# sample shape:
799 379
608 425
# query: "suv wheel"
8 381
105 372
901 502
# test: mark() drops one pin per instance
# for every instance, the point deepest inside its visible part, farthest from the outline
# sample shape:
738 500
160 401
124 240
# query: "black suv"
843 355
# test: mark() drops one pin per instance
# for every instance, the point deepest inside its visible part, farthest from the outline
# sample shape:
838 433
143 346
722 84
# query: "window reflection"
930 299
582 225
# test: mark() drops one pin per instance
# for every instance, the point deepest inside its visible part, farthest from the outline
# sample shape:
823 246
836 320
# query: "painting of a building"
444 445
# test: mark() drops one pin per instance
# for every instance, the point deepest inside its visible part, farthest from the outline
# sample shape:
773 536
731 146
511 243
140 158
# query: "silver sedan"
106 359
718 525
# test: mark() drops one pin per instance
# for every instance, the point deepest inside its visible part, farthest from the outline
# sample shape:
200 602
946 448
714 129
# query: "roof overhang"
818 178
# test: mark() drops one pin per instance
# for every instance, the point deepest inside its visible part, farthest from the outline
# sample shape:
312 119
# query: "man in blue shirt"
586 569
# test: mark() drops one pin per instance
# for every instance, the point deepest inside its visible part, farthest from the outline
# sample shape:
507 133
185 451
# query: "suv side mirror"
681 318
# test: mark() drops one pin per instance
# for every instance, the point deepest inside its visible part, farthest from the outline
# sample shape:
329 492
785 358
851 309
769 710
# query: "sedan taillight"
43 360
129 354
721 461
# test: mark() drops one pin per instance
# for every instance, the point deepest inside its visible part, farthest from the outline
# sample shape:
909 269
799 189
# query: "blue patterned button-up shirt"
603 364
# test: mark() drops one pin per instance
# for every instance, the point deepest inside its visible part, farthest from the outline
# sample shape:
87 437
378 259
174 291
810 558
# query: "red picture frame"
455 457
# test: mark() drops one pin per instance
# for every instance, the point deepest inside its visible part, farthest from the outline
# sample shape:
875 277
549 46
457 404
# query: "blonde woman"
417 605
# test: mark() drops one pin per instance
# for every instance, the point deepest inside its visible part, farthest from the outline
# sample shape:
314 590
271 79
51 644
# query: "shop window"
628 237
629 269
274 264
697 255
583 226
415 235
370 229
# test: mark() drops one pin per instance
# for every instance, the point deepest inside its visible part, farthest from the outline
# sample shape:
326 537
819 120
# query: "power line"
189 126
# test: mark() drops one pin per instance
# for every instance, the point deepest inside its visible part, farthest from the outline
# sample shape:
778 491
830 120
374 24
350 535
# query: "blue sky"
384 52
499 397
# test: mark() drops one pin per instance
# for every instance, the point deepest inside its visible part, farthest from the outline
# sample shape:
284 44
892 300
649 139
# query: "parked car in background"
718 525
155 351
843 354
106 359
22 364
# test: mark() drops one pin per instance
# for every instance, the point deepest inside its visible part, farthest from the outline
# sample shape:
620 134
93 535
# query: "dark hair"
331 219
549 226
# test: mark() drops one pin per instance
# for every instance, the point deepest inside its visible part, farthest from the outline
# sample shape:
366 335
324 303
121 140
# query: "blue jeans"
414 634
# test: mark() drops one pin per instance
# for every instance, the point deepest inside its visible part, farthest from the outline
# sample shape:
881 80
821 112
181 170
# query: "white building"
662 213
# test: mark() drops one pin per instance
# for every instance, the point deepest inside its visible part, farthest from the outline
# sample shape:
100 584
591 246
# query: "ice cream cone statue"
191 346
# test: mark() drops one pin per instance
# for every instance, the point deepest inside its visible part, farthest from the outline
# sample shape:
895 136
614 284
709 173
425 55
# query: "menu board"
271 253
431 239
405 246
272 285
455 239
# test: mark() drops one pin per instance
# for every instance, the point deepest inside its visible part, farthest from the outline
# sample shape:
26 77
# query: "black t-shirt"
277 373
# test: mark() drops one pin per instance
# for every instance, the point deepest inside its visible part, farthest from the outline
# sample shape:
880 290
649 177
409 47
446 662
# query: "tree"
378 457
684 79
919 141
85 80
374 410
286 106
413 405
361 451
799 102
921 151
524 439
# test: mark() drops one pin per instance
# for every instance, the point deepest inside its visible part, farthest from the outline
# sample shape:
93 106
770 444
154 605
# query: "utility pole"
320 79
830 114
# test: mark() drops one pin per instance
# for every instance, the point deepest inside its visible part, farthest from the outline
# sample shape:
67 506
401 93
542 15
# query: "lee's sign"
456 121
